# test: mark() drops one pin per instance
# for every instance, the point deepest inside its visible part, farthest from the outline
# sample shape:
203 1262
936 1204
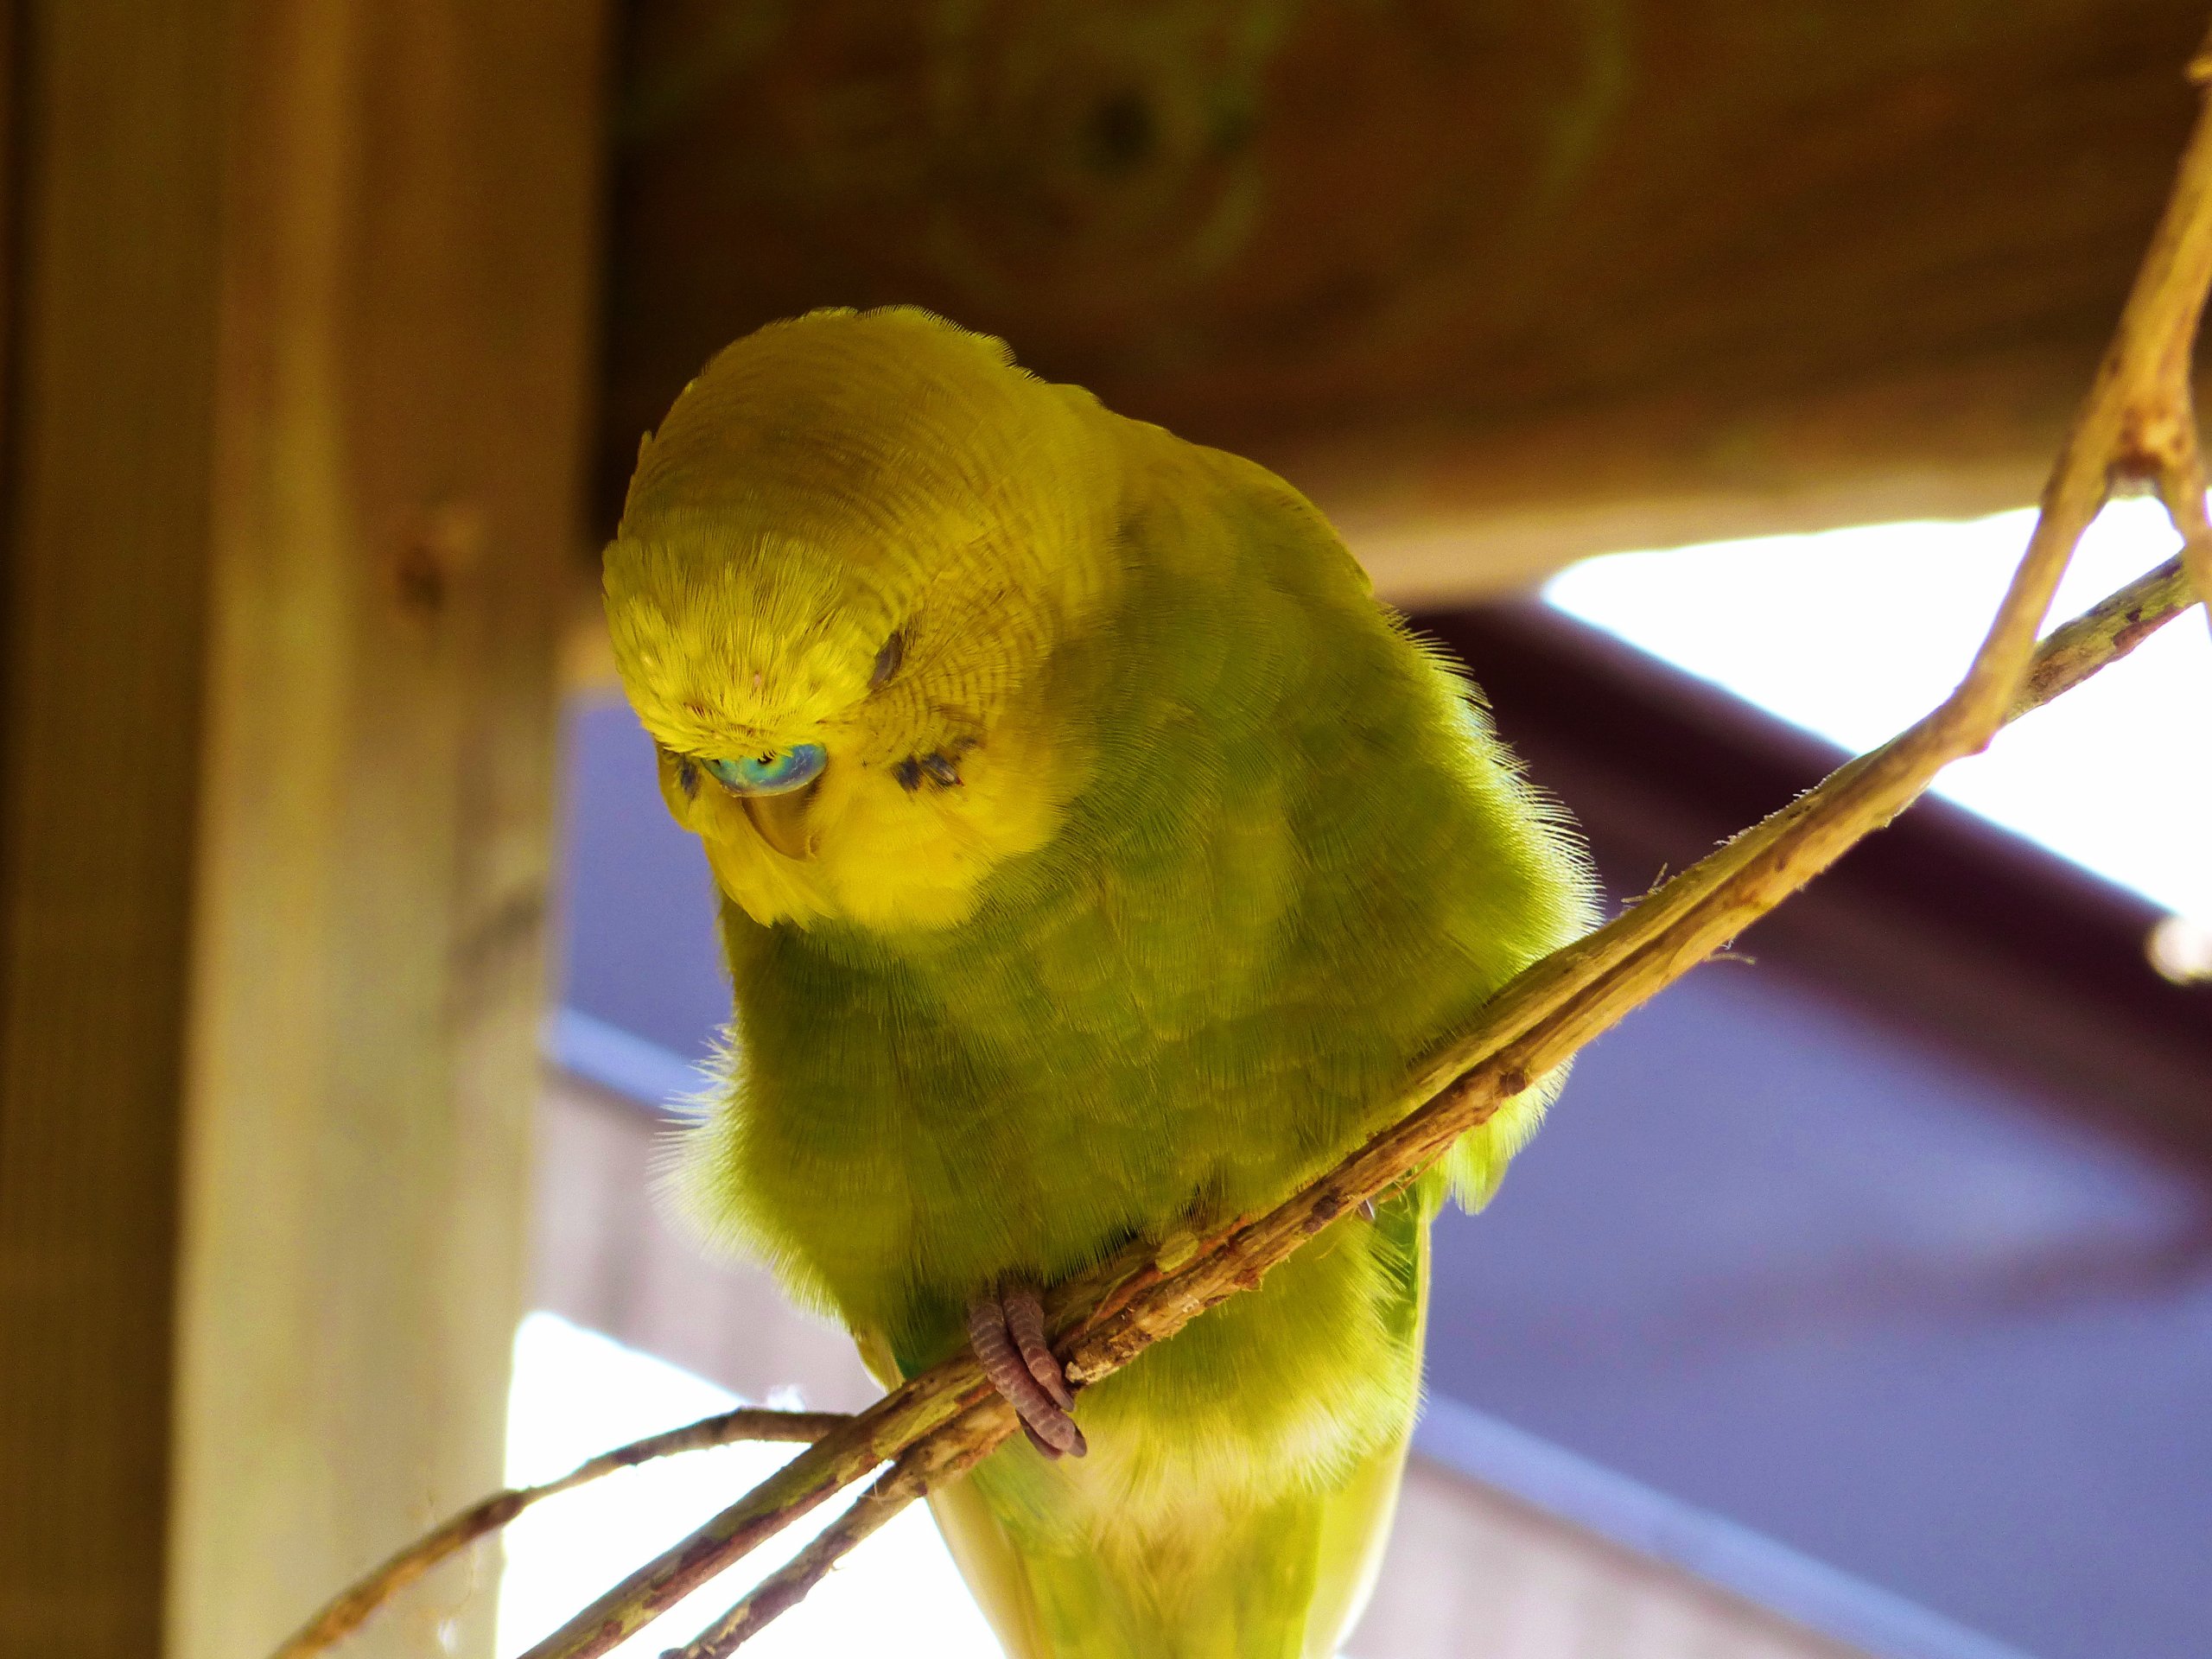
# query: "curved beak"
780 819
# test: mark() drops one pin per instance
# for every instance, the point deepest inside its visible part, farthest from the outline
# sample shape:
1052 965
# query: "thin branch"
947 1452
881 1434
2160 441
2136 422
2103 634
349 1611
2181 487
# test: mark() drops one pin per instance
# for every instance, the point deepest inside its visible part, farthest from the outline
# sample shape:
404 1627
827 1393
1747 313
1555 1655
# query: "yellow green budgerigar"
1094 855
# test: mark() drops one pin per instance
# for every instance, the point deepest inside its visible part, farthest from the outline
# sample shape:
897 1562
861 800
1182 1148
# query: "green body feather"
1302 862
1297 861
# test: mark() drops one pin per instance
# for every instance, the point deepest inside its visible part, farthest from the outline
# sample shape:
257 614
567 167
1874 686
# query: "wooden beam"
1497 285
1441 516
295 424
109 441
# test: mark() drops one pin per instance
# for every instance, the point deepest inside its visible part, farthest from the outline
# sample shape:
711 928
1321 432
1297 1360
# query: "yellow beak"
781 821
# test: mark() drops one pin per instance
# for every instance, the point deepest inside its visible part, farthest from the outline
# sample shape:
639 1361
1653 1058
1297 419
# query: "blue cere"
776 773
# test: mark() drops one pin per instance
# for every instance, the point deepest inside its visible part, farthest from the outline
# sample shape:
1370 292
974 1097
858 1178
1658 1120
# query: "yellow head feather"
826 486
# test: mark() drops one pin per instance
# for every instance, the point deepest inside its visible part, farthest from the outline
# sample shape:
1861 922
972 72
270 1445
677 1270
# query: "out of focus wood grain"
1498 284
405 384
296 415
109 434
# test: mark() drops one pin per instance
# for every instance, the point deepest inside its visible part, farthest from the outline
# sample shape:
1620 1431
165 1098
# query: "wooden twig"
2102 635
2136 422
348 1611
2182 492
2174 455
881 1434
947 1452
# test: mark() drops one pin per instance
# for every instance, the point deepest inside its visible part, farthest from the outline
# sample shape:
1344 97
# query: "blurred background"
1685 370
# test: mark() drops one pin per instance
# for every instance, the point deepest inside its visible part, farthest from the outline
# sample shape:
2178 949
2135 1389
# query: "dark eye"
776 772
887 659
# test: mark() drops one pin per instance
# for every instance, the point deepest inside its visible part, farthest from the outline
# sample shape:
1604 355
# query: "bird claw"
1007 1332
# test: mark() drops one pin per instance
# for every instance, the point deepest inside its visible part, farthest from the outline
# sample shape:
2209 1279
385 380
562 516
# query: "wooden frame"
300 353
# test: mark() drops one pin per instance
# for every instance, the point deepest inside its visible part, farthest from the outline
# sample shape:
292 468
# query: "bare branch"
2102 635
948 1452
882 1432
349 1611
2182 489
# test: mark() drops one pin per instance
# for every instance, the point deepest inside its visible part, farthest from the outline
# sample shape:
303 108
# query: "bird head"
845 561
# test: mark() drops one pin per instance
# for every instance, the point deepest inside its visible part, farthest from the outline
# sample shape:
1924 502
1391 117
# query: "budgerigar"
1094 855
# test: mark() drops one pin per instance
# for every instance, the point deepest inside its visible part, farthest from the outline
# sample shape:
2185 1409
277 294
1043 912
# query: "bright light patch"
1854 634
576 1394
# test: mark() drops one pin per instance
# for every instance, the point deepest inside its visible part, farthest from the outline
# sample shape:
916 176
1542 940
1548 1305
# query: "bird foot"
1008 1330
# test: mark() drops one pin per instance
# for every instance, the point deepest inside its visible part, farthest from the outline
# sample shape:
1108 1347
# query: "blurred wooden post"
297 350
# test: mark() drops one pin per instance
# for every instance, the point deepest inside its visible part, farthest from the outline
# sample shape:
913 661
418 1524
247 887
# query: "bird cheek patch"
938 767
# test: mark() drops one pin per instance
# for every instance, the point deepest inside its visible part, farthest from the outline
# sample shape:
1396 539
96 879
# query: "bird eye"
776 772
